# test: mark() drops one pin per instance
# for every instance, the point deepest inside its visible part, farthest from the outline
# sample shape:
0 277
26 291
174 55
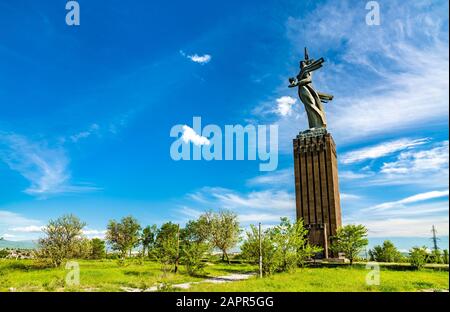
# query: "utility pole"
260 252
178 248
434 238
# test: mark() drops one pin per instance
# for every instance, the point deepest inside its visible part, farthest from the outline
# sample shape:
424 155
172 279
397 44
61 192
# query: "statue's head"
302 64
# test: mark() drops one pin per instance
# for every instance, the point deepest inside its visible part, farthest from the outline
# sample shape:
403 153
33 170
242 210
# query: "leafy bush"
417 257
3 253
385 253
192 256
350 240
445 256
98 250
284 246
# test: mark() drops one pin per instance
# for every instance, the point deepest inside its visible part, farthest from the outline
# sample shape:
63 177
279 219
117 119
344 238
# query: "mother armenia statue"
312 99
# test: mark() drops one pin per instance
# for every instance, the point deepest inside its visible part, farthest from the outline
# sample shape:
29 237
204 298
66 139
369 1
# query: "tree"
62 241
385 253
250 250
284 246
417 257
124 235
3 253
192 254
194 245
98 248
83 248
445 256
224 230
167 246
436 256
350 239
148 238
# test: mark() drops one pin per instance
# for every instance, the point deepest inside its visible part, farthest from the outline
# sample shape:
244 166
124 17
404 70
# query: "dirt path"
215 280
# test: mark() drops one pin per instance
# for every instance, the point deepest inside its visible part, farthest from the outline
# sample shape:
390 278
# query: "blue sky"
86 111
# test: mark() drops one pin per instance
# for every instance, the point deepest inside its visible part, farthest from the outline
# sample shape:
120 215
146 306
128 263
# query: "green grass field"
340 279
108 275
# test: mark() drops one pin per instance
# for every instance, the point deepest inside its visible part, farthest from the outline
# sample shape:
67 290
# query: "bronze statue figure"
312 99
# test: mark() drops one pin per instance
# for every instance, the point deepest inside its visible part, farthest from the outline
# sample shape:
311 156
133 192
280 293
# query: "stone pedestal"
316 186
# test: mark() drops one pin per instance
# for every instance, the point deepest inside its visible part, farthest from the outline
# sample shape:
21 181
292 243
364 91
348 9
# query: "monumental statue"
315 163
311 98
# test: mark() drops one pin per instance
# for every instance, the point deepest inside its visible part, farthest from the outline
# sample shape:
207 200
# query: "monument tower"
315 163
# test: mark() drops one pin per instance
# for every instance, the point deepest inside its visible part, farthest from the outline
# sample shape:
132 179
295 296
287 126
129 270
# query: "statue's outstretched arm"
304 81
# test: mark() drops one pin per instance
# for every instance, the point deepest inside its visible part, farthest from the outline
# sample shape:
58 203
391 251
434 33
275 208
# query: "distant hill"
18 244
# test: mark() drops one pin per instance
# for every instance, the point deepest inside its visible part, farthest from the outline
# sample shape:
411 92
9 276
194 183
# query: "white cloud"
266 206
189 135
8 236
91 233
190 212
200 59
28 229
410 199
435 159
10 221
410 216
347 196
380 150
254 218
281 178
427 168
45 167
267 199
350 175
284 105
406 227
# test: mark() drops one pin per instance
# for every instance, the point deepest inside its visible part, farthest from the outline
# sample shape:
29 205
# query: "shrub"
350 239
417 257
284 246
385 253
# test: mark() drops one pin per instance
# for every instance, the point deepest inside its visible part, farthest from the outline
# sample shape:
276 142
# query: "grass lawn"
108 275
339 279
98 275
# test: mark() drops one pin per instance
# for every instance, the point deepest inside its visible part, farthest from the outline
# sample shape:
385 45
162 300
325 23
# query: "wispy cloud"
92 233
410 216
426 167
278 178
252 207
85 134
409 200
380 150
406 227
200 59
28 229
435 159
351 175
386 79
347 196
44 166
15 226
